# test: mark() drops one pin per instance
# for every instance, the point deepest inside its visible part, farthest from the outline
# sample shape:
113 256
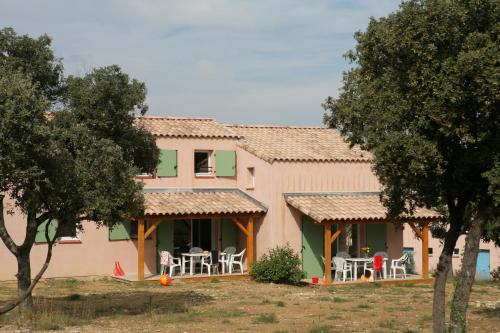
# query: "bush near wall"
280 265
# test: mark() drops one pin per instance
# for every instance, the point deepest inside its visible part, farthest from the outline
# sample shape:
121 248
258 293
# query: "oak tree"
423 95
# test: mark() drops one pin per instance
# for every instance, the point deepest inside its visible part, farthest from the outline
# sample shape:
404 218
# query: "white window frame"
70 239
208 173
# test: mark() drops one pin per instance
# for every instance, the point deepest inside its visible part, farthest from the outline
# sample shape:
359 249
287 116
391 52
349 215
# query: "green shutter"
40 232
225 163
312 247
168 163
120 231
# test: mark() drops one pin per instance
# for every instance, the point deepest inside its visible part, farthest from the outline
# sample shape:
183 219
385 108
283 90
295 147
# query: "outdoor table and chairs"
366 262
210 260
193 258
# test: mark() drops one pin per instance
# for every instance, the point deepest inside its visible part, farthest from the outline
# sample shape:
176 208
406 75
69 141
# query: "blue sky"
257 62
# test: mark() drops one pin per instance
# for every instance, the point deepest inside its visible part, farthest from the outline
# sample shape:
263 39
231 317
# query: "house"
252 187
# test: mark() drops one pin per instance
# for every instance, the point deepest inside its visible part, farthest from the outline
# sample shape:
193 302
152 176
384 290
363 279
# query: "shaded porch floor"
187 278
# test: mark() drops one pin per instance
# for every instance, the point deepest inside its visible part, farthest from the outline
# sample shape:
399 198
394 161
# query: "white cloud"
237 61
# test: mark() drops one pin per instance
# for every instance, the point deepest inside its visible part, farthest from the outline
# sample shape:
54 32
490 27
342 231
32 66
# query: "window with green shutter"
120 231
225 163
168 163
40 231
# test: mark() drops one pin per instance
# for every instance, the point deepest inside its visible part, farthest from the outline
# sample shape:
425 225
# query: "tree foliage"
424 97
74 164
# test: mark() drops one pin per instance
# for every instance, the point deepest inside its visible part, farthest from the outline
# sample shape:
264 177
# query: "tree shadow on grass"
52 313
488 312
128 303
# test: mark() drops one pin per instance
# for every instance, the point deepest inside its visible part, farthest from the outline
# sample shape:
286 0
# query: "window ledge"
70 241
144 177
203 176
250 188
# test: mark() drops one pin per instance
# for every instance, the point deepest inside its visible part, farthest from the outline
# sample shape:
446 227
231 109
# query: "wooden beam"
140 249
425 251
327 252
152 228
337 233
240 225
416 230
250 244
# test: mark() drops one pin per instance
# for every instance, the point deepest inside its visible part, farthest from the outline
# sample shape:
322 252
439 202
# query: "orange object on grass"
165 280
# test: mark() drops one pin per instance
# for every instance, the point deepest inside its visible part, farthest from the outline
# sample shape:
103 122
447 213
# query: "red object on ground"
118 271
165 280
315 279
377 263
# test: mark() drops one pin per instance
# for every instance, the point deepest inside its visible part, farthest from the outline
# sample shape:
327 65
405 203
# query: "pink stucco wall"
95 254
411 241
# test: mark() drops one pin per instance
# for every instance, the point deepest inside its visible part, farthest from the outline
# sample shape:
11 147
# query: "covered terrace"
350 208
182 204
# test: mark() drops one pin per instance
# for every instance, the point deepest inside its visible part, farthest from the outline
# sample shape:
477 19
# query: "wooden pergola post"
425 250
140 249
248 232
250 244
327 251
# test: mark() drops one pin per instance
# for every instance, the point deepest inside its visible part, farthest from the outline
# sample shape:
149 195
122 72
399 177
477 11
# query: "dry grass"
112 306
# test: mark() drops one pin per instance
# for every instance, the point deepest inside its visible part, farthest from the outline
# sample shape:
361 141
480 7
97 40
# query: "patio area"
203 247
330 215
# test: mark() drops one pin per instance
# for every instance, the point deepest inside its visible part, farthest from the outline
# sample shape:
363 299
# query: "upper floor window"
202 163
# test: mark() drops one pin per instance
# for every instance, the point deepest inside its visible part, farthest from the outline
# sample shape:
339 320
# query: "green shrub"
280 265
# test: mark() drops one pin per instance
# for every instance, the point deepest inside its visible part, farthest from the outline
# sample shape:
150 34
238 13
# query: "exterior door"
164 239
483 265
312 247
376 237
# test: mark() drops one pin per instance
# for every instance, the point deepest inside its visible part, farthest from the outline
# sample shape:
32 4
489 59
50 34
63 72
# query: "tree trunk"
24 279
458 316
443 269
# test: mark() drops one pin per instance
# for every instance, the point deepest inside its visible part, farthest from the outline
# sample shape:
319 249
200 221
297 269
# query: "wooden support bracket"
152 228
417 231
240 226
337 233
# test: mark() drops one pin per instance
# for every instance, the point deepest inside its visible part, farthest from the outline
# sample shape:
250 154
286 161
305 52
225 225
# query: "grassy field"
113 306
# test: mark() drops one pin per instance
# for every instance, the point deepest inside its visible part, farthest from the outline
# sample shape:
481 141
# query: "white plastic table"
191 262
363 260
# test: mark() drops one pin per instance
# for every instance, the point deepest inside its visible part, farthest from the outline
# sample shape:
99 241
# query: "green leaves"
424 97
79 162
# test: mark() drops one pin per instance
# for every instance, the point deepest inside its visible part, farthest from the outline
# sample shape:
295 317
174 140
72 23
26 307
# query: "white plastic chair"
399 264
207 262
234 261
225 258
175 263
341 267
345 255
196 260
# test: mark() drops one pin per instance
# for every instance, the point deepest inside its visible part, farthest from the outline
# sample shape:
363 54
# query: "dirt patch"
112 306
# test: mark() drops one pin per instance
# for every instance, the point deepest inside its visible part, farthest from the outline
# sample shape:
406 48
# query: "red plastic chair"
378 263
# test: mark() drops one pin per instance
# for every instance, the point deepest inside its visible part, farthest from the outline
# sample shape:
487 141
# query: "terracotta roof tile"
347 207
200 202
275 143
184 127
